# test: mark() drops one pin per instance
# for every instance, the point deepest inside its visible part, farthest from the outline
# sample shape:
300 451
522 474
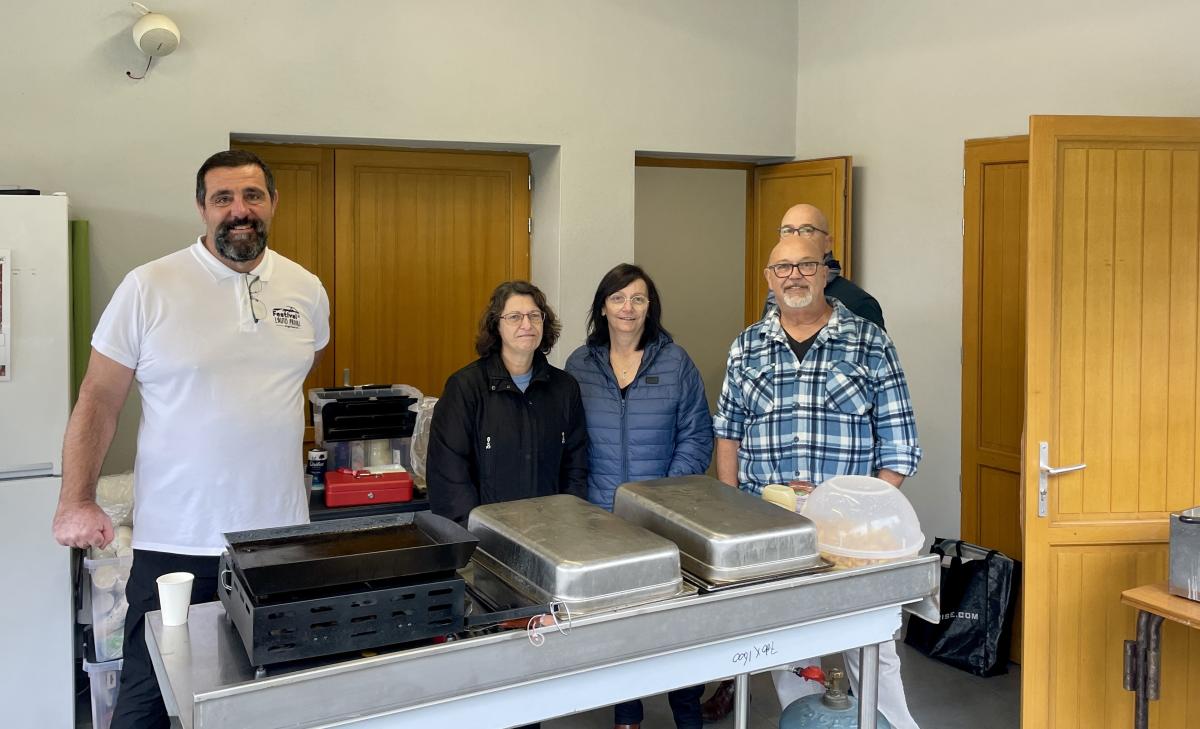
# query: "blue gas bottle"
831 710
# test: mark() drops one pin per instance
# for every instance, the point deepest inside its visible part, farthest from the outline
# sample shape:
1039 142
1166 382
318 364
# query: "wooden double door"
409 245
1082 346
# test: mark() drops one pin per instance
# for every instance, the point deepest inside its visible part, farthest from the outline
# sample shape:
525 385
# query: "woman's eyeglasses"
535 318
619 299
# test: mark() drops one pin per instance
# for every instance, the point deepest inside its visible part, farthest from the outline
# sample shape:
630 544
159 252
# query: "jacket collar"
499 379
599 352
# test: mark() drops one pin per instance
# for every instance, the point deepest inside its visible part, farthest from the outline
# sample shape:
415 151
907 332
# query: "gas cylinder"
833 709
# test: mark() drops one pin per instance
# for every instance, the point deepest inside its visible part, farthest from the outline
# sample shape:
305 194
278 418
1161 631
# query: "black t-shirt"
801 348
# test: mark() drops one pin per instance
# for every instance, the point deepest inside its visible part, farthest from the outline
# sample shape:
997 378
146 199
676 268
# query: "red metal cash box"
356 488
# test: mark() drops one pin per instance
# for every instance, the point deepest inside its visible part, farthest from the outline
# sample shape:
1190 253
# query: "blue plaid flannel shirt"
844 410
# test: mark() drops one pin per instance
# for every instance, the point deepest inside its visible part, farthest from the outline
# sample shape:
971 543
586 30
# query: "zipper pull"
564 437
488 445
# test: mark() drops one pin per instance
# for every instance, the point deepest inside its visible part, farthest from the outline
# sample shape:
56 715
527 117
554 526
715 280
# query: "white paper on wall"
5 315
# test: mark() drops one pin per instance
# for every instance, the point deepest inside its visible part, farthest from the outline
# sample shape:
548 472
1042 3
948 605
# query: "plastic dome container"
862 520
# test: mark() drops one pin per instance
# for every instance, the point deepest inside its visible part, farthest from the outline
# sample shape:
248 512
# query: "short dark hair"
618 278
487 341
232 158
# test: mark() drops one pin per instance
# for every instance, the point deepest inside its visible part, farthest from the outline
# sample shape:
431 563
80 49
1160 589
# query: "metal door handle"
1045 471
27 470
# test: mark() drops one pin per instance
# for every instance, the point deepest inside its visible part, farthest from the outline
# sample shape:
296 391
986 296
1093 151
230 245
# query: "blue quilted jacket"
662 428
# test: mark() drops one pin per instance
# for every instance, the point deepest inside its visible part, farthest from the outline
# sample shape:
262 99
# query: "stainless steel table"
503 680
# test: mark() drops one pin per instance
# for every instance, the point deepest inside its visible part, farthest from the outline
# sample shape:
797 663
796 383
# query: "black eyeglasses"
254 287
804 231
783 270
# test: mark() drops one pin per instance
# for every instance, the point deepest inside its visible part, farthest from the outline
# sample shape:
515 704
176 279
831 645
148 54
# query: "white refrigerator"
36 617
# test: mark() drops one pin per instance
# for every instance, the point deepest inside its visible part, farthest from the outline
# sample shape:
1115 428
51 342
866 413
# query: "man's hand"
82 524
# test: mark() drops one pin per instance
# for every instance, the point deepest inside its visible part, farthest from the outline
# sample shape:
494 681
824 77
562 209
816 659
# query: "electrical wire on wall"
144 70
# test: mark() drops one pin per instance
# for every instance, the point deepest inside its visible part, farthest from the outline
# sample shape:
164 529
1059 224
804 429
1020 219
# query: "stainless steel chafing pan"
724 535
563 549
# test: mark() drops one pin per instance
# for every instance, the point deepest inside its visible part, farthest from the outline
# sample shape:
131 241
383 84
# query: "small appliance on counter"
347 585
365 433
1185 554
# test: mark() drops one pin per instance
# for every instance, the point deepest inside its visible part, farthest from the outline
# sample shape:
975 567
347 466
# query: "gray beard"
241 251
798 301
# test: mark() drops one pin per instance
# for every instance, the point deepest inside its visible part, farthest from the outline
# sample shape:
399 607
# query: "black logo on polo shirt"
286 316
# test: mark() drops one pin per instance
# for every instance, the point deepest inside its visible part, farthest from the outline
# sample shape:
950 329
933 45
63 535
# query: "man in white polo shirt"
219 337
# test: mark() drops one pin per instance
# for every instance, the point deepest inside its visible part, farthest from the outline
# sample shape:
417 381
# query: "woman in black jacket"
509 425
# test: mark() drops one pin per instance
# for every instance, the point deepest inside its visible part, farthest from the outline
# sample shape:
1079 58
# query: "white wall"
901 85
598 79
690 236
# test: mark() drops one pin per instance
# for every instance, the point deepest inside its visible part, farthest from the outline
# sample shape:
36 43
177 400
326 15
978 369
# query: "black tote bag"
978 597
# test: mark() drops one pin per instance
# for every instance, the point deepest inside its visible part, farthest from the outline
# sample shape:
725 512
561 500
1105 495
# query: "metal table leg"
868 701
741 701
1142 664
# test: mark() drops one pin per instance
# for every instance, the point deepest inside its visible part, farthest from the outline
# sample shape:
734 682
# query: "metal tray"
1184 554
563 549
348 551
724 535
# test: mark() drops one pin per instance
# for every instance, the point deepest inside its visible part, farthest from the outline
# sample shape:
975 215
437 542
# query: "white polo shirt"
220 441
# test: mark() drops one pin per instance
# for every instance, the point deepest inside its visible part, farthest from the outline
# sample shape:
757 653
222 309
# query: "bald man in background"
798 220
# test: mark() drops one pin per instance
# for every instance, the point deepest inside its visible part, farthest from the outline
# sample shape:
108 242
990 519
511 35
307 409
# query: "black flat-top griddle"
348 552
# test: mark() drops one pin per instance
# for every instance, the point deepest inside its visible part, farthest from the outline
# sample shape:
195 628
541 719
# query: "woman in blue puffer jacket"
647 416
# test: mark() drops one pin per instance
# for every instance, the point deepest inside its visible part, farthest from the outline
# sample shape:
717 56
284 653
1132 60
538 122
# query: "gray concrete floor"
939 697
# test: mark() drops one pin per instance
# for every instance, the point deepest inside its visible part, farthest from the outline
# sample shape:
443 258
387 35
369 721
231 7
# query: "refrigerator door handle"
27 470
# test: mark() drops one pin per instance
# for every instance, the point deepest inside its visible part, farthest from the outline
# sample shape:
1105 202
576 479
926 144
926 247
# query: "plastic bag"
978 598
420 439
114 494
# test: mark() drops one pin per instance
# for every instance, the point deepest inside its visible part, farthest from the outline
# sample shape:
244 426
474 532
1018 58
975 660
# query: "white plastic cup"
174 596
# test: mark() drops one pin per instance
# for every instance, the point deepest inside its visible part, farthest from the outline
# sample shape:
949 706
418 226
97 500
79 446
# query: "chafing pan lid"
573 550
716 523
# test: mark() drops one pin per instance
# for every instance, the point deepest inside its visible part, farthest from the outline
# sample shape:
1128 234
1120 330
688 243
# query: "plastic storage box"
108 578
105 678
862 521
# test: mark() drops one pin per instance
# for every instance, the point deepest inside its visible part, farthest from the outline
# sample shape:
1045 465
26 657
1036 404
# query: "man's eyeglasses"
804 231
535 318
254 287
783 270
618 300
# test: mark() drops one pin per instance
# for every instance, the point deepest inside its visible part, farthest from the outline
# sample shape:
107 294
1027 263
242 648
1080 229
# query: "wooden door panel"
423 238
1111 381
995 196
825 183
1109 291
995 205
1089 626
999 496
1001 321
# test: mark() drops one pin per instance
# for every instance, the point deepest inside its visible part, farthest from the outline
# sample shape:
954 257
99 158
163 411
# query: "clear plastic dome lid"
864 517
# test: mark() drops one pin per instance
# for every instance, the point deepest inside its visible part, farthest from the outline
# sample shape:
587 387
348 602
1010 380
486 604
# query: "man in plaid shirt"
812 391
